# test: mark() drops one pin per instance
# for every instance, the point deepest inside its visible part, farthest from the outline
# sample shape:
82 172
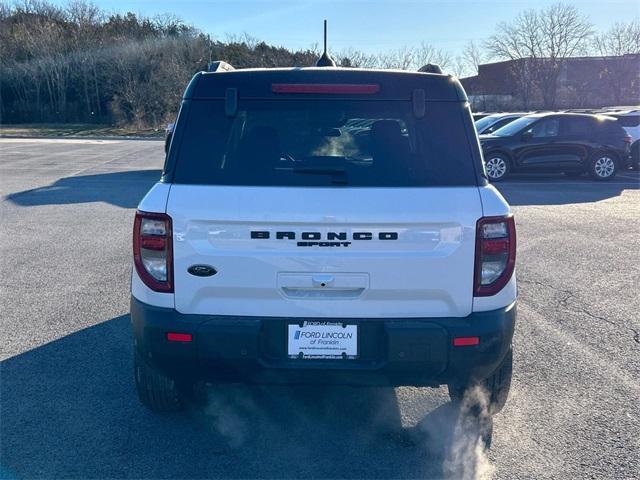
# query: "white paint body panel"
493 203
427 272
143 293
156 198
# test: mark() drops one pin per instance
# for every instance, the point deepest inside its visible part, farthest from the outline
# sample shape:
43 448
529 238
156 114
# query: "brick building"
582 82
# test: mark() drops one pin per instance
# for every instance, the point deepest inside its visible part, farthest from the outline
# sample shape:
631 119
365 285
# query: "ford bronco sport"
323 225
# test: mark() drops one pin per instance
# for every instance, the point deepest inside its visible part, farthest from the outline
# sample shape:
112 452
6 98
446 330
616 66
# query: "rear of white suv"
323 225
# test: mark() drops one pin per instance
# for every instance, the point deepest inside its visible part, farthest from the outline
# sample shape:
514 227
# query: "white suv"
323 225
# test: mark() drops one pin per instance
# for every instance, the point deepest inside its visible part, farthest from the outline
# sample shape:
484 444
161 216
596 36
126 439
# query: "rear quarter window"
629 120
613 127
325 143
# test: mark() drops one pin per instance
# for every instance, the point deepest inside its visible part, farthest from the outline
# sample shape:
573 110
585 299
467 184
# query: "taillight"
628 139
153 250
495 254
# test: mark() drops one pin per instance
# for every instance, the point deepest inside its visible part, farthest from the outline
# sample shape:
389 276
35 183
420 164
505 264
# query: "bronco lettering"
331 237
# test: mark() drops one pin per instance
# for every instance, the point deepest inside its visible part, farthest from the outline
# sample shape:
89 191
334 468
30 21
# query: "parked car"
302 235
491 123
557 142
630 121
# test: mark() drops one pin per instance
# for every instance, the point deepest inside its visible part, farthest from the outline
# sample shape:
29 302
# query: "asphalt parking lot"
68 406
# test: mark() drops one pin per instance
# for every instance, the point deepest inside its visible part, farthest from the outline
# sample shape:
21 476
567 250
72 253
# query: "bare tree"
619 47
427 53
459 67
408 58
471 58
540 41
356 58
402 58
243 38
85 43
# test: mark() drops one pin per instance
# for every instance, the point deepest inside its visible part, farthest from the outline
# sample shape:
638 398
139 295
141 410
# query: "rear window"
324 143
485 122
579 125
628 120
514 127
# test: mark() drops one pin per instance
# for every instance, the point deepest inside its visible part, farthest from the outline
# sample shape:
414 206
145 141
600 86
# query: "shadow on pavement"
559 190
69 410
124 189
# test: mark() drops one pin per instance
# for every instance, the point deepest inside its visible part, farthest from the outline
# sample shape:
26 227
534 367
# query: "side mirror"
526 136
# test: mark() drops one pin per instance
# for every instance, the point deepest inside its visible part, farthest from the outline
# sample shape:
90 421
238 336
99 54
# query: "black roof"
602 116
257 83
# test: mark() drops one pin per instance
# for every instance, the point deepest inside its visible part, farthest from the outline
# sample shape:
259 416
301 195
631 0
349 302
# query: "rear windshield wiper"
319 170
339 174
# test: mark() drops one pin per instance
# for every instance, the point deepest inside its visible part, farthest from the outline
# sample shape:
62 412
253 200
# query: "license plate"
323 340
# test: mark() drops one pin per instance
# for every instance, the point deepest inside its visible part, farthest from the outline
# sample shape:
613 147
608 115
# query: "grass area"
75 130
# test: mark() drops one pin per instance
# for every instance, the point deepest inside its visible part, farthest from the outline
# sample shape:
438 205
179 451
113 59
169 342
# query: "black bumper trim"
398 351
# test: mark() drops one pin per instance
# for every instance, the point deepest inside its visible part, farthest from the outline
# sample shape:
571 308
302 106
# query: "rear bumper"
398 351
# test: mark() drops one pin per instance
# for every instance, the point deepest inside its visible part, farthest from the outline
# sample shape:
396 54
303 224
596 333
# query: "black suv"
557 142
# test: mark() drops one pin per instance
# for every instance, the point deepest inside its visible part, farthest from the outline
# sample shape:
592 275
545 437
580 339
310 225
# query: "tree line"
540 41
79 64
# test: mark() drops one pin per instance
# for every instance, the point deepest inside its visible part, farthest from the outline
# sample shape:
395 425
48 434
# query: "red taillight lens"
326 88
153 243
495 254
179 337
153 250
466 341
628 139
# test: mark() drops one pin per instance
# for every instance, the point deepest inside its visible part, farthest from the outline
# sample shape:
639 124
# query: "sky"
369 25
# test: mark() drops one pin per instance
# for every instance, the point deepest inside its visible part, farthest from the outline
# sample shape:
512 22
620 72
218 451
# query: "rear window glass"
501 123
514 127
579 126
629 120
324 143
484 123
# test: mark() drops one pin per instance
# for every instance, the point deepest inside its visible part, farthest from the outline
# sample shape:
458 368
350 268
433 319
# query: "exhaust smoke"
460 433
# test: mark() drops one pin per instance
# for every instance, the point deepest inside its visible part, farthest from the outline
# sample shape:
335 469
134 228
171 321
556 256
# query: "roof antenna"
325 60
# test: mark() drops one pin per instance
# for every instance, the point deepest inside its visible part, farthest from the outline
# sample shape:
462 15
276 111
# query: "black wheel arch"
502 153
604 150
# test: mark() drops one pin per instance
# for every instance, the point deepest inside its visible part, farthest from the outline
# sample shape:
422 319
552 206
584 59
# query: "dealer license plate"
323 340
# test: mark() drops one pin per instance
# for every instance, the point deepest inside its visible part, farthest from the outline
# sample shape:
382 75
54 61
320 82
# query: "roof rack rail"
220 66
430 68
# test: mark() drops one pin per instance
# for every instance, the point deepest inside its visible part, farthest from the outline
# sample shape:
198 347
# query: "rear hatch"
324 208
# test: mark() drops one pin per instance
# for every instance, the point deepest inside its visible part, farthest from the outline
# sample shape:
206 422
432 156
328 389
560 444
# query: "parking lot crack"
567 294
575 306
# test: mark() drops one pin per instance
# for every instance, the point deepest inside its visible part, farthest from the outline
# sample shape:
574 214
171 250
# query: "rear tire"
603 166
156 391
497 167
497 386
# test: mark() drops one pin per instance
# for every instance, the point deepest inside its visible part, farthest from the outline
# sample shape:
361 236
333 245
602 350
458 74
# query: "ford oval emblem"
202 270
